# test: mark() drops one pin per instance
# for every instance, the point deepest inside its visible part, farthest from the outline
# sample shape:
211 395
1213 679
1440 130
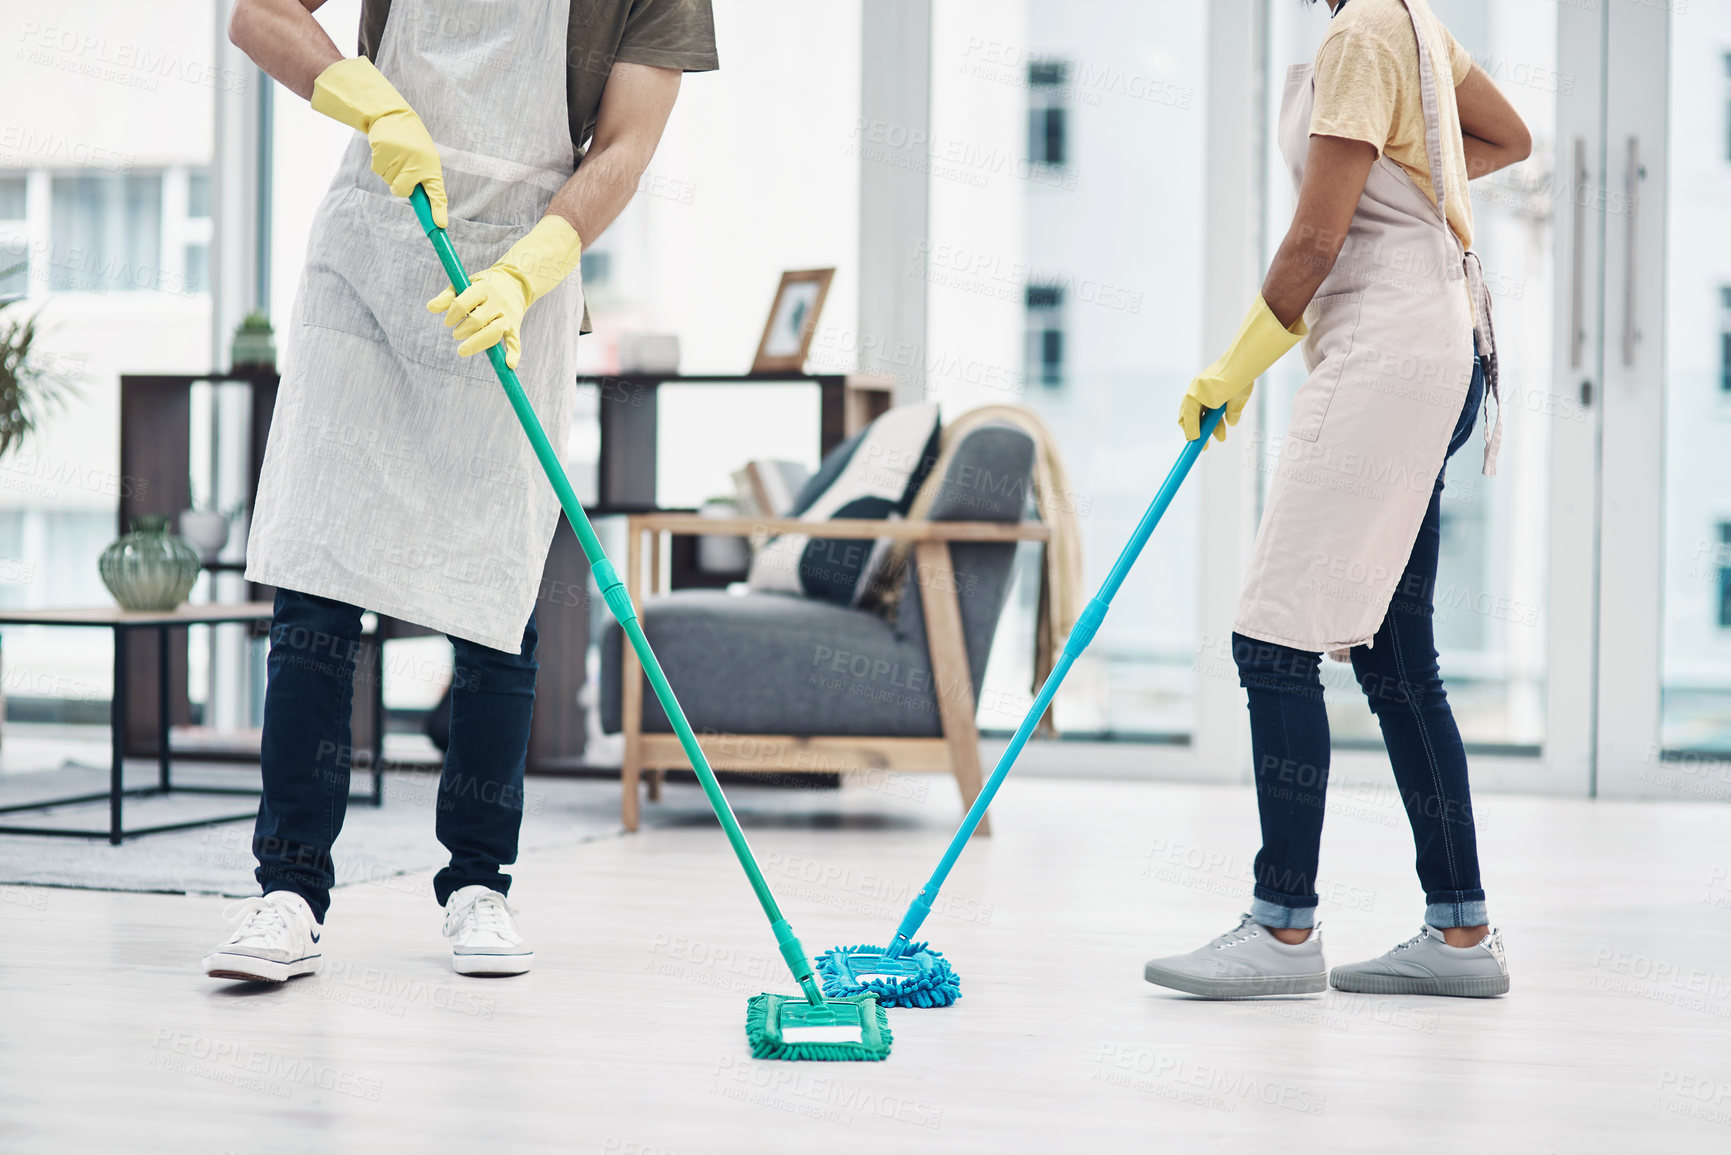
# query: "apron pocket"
376 272
1333 324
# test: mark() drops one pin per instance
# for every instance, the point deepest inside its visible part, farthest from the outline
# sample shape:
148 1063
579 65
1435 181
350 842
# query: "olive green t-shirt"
660 33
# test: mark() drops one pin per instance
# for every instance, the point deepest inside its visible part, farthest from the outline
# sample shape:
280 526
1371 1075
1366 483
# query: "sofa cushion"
872 475
767 663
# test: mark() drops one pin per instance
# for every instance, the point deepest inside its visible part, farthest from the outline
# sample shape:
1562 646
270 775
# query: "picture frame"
792 321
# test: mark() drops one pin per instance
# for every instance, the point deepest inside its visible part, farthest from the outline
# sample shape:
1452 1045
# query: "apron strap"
1485 339
1432 115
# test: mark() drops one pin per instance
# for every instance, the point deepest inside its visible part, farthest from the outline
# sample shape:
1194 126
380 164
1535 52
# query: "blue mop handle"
1083 633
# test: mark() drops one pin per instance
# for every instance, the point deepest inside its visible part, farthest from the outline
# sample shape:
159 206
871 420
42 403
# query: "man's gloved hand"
492 307
357 94
1261 341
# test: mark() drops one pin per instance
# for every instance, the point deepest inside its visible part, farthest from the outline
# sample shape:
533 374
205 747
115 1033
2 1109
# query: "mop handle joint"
1087 625
613 590
793 954
911 922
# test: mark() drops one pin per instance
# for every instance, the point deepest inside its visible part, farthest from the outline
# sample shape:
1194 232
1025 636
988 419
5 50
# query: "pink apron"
1390 353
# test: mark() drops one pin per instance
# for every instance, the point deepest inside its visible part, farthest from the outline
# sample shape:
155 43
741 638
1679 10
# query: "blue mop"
911 974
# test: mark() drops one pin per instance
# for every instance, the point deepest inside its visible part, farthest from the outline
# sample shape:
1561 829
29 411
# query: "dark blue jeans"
315 644
1399 676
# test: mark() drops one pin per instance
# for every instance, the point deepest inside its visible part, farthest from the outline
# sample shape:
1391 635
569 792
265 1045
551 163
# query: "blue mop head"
919 978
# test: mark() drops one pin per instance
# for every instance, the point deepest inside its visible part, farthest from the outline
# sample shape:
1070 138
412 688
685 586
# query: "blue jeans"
1399 676
314 647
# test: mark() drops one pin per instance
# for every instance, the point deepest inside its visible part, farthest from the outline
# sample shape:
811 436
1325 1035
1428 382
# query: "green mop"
778 1026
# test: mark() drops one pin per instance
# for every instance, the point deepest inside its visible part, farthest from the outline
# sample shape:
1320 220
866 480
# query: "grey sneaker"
1426 965
1244 961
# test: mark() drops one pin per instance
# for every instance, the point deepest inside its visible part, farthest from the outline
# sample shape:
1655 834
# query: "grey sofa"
777 682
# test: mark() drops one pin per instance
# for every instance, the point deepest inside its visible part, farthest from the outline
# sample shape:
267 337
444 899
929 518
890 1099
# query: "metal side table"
122 623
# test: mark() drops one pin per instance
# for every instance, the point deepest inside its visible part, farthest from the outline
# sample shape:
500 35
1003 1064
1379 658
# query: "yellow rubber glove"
492 307
1261 341
357 94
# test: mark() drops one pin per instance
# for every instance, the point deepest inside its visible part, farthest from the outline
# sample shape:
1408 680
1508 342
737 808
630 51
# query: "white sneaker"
1246 960
484 938
1426 965
271 939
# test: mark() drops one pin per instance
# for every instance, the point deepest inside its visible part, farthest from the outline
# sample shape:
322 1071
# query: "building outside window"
1725 339
597 270
14 234
105 232
1048 118
1724 560
1045 356
197 229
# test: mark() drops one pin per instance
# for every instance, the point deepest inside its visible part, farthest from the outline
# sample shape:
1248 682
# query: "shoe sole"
492 964
1462 986
1236 988
245 968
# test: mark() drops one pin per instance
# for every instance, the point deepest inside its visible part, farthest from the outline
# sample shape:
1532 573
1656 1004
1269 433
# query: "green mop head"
839 1030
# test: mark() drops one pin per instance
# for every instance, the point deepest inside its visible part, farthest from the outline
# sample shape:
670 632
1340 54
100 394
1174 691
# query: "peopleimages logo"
123 62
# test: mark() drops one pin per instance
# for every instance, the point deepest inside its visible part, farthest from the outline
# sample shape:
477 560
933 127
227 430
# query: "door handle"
1577 285
1631 199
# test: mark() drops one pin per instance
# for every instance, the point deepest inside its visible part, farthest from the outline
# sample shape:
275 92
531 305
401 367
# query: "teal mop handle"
1087 623
619 602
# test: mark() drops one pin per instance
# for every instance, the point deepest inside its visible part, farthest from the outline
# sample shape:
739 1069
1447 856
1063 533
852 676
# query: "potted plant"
254 345
29 389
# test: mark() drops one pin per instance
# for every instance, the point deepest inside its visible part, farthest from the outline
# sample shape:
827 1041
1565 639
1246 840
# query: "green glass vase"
149 568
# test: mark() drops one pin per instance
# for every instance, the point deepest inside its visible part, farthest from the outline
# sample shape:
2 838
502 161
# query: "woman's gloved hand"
492 307
357 94
1262 340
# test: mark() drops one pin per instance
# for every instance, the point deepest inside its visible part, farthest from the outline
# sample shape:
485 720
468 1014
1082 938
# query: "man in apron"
397 478
1401 356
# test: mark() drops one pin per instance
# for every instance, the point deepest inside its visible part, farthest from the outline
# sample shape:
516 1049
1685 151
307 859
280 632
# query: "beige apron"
1390 354
397 477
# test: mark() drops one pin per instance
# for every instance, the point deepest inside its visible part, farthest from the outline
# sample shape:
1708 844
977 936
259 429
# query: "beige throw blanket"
1061 594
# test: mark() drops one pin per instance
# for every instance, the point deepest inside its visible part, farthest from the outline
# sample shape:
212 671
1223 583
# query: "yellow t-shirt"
1367 88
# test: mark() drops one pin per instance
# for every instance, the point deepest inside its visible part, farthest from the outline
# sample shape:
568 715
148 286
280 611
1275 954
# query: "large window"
103 192
1072 280
1696 713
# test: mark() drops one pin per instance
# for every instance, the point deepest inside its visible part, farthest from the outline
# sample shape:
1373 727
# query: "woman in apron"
397 478
1377 278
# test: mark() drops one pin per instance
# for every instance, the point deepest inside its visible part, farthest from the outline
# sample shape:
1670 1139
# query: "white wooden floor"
628 1038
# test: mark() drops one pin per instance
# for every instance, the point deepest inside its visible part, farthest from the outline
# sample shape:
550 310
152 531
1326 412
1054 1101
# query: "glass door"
1657 358
1513 617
